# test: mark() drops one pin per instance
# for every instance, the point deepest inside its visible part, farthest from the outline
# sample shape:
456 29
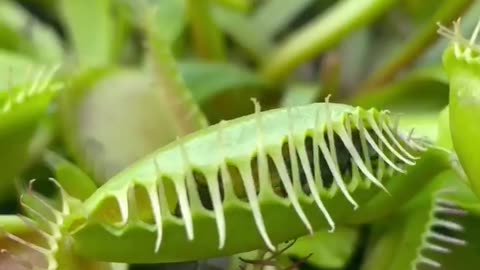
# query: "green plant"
149 153
460 61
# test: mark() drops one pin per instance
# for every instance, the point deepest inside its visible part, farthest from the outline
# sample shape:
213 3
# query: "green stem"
419 41
321 34
207 38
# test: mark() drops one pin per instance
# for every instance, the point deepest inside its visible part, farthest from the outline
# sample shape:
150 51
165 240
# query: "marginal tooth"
363 142
473 38
292 153
449 225
157 213
52 226
444 202
194 197
429 262
336 174
381 164
410 141
311 184
184 206
214 190
48 77
330 155
375 147
330 132
377 130
122 200
24 243
316 154
55 214
229 192
164 207
447 239
392 137
355 177
437 248
64 198
450 211
347 141
35 227
448 33
36 81
246 174
263 172
417 146
292 197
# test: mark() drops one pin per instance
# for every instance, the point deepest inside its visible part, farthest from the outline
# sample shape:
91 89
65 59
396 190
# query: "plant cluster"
274 134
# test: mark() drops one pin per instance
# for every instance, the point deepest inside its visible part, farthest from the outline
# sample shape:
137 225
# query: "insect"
461 61
225 189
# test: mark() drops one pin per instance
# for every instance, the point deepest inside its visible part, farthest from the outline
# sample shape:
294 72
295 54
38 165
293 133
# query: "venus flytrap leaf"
201 219
429 231
329 250
43 245
73 179
21 111
13 224
14 68
404 186
461 63
14 256
405 240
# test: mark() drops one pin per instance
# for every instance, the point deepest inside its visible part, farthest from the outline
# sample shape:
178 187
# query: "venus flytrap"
274 175
178 198
412 239
435 228
42 244
248 180
21 110
462 64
